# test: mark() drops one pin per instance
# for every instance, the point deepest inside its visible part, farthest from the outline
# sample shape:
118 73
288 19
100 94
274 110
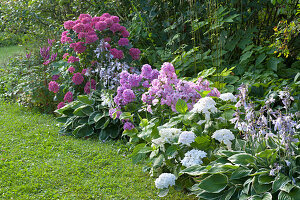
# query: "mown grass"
37 163
6 52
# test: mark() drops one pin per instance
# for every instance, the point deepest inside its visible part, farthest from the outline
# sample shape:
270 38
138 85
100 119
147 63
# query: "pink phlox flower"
53 86
125 34
109 22
117 53
107 39
69 24
100 26
106 15
115 27
82 16
47 62
71 69
60 105
78 47
77 78
115 19
123 42
91 38
55 77
68 97
65 55
135 53
79 27
90 85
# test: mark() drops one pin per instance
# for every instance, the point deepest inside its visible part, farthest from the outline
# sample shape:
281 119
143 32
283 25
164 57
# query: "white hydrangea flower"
165 180
224 135
206 106
158 141
228 97
193 157
187 137
169 134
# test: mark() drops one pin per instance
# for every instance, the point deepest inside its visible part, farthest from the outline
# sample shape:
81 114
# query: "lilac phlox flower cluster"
187 137
228 97
206 106
167 89
225 136
193 157
165 180
128 126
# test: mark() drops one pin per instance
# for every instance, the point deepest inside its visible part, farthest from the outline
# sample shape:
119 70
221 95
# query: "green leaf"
171 150
100 123
242 159
83 131
86 99
267 196
265 179
79 111
260 58
284 196
245 56
280 181
91 118
158 161
126 115
88 110
98 116
273 62
195 170
259 189
214 183
62 119
181 106
287 188
240 173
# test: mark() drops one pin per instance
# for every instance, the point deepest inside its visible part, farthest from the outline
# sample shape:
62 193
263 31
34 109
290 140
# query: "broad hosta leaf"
287 188
100 123
62 119
265 179
98 116
181 106
86 99
79 111
91 118
273 62
259 188
284 196
83 131
88 110
112 131
267 196
280 181
222 168
240 172
242 159
214 183
171 150
195 170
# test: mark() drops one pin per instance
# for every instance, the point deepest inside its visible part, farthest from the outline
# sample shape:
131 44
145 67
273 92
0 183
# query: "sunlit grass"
37 163
6 52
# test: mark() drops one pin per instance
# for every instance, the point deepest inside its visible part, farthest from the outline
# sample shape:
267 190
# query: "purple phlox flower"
50 42
53 57
44 51
55 77
28 55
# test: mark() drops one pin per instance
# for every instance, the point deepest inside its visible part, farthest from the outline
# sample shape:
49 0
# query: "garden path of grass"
37 163
6 52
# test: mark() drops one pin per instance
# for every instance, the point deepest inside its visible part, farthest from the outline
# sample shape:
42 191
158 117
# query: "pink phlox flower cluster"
117 53
68 97
71 69
64 37
53 86
90 85
65 56
78 47
77 78
60 105
123 42
55 77
135 53
73 59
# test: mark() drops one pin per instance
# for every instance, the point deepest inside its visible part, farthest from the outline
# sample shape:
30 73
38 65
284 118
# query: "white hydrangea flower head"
228 97
169 134
193 157
187 137
225 136
165 180
206 106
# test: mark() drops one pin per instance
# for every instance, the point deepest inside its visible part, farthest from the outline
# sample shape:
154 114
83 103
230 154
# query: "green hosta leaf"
83 120
79 111
91 118
98 116
284 196
100 123
86 99
280 181
242 159
145 150
214 183
112 131
202 194
218 168
106 123
181 106
103 135
88 110
195 170
83 131
265 179
259 189
230 192
62 119
287 188
273 62
240 173
126 115
203 141
267 196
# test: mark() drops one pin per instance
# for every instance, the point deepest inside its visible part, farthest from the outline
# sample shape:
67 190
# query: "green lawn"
37 163
6 52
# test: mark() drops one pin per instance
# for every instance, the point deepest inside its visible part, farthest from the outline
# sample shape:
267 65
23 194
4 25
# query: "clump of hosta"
224 136
193 157
187 137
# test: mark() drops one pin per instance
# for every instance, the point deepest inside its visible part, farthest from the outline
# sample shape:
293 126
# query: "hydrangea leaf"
181 106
